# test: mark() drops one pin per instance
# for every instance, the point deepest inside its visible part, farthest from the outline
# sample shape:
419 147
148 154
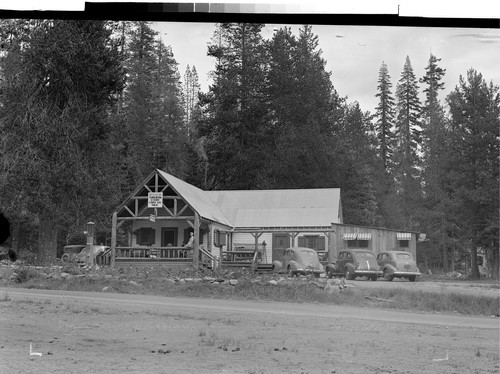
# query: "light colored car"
352 263
69 252
83 258
398 264
300 260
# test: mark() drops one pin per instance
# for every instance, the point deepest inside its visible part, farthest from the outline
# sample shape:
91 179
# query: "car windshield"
365 254
308 253
405 256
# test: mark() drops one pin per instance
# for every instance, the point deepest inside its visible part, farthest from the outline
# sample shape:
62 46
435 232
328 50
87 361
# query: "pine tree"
234 117
191 91
304 107
475 122
150 129
53 116
385 114
408 141
435 148
360 167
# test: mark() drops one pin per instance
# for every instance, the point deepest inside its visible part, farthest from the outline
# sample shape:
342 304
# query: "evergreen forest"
89 108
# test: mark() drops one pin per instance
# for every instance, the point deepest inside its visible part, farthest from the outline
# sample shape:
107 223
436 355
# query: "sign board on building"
155 199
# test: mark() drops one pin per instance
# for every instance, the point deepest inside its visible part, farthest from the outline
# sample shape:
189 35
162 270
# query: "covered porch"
153 226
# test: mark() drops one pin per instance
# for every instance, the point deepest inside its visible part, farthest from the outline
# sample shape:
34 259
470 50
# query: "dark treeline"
89 108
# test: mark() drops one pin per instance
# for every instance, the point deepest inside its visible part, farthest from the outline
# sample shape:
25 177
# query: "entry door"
169 237
280 243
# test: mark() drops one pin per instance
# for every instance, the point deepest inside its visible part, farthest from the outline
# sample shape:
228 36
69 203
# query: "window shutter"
321 243
151 236
302 241
141 236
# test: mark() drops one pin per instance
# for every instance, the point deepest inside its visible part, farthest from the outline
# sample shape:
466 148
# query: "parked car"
69 252
83 257
353 263
398 264
299 260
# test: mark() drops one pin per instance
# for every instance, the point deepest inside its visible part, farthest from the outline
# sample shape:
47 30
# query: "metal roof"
279 208
260 208
197 199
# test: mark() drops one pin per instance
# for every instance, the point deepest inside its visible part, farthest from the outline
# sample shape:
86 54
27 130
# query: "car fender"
350 266
277 265
293 265
331 268
389 268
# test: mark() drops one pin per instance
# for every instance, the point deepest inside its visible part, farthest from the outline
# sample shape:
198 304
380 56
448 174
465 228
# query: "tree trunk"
16 235
495 268
473 262
444 250
47 240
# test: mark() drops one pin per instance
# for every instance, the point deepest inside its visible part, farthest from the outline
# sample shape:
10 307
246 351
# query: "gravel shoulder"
82 332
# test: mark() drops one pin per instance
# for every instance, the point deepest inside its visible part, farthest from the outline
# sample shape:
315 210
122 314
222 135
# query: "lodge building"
236 227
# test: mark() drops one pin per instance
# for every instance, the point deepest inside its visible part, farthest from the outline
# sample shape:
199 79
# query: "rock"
107 288
331 288
133 283
65 275
209 279
285 283
233 282
273 282
188 280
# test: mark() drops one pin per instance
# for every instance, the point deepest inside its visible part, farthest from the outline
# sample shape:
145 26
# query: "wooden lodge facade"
234 228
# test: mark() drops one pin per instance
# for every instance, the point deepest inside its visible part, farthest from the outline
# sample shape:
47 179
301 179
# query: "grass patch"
164 282
429 301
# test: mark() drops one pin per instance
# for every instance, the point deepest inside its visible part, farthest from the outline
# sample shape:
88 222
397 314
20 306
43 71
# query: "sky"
354 54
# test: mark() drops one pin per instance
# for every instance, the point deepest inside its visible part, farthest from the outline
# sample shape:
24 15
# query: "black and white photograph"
249 188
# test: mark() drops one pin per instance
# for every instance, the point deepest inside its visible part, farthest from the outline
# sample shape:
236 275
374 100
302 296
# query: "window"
404 243
357 243
146 236
316 242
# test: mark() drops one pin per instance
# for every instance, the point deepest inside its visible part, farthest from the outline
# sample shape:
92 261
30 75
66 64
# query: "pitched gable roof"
197 199
256 208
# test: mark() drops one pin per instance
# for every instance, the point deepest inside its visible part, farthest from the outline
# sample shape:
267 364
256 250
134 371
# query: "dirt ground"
80 336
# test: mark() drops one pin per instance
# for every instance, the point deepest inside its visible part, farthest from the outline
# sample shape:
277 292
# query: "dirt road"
78 332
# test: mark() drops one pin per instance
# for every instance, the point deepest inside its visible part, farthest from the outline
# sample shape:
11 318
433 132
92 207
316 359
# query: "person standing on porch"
189 245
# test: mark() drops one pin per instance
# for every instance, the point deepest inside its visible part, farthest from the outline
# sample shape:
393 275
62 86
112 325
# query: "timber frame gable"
173 206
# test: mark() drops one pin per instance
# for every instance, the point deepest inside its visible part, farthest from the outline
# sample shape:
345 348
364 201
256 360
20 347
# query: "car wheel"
412 278
329 272
387 276
65 257
290 272
348 274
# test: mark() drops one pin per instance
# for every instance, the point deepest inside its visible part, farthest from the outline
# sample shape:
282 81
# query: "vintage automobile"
398 264
83 258
299 260
352 263
69 252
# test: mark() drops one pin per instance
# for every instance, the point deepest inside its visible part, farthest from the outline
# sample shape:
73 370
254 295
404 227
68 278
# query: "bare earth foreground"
77 332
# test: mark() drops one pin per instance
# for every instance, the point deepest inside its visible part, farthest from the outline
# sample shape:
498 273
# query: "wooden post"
196 244
113 238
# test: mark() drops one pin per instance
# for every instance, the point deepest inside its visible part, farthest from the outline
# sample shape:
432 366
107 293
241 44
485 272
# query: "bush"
24 274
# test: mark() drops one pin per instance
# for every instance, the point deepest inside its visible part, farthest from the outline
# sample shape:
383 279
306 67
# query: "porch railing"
154 252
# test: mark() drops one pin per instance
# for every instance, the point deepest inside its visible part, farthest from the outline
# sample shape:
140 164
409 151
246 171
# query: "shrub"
24 274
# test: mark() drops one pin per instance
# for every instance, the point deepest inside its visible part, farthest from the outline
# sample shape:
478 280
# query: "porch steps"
263 268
